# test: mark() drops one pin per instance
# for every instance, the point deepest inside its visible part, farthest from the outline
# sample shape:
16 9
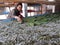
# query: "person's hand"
16 17
19 16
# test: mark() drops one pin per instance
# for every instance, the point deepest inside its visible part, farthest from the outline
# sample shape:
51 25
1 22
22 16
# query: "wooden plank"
1 1
31 1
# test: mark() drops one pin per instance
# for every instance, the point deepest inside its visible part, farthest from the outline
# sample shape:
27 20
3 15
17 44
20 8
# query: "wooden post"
24 8
41 9
53 9
46 8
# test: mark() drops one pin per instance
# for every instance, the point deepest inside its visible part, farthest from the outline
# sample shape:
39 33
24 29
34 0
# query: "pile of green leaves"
38 20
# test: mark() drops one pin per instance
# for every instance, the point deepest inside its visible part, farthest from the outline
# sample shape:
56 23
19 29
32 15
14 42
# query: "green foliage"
32 21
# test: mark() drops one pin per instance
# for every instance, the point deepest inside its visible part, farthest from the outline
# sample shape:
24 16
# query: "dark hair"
18 5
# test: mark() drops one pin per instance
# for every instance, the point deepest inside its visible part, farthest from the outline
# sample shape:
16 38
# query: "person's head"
19 6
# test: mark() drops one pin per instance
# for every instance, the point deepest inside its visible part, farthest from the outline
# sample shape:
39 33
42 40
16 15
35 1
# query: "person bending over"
16 13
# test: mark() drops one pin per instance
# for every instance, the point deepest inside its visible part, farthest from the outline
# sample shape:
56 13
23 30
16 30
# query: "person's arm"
11 14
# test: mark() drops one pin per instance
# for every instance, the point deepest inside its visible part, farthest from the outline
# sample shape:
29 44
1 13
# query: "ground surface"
14 33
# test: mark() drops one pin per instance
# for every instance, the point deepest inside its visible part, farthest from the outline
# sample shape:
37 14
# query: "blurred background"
29 8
